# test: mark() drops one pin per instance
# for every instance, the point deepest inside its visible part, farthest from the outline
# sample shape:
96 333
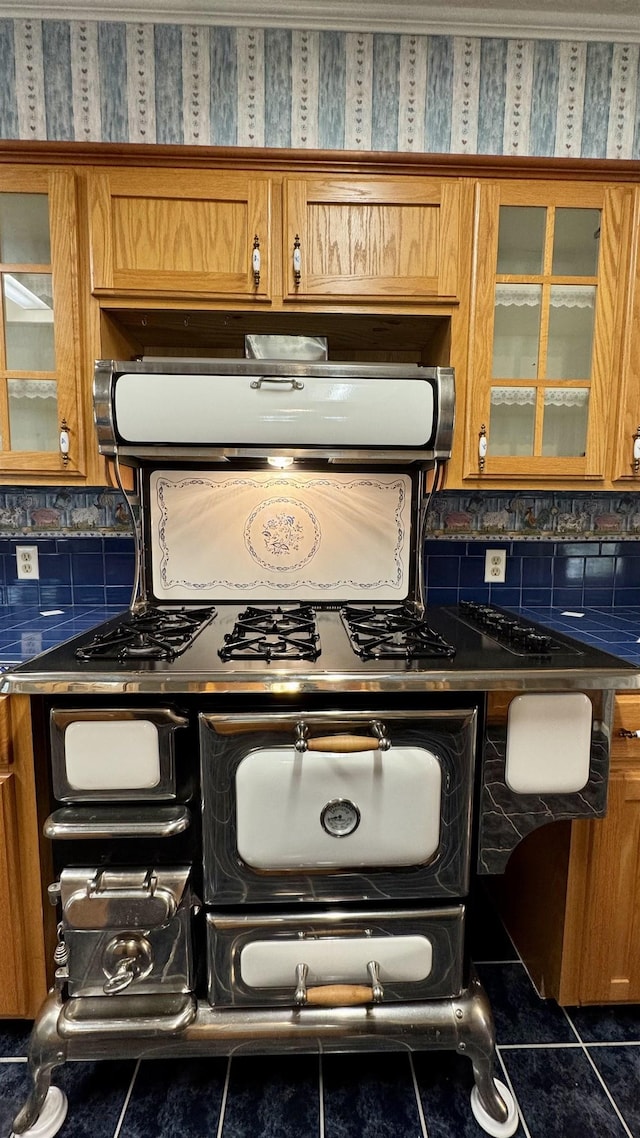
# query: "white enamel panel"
548 742
281 796
295 536
119 755
226 410
341 960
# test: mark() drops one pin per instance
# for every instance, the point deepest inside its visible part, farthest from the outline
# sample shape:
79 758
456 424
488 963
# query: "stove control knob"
537 643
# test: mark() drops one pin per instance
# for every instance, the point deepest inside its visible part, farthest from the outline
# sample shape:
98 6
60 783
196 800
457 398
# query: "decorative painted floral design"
282 534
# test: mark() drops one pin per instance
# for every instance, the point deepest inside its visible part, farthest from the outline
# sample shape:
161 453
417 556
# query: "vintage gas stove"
272 778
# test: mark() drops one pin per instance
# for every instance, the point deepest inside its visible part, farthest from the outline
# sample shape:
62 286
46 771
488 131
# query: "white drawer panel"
341 960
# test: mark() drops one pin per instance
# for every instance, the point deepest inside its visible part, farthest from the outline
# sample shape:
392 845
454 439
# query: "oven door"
332 806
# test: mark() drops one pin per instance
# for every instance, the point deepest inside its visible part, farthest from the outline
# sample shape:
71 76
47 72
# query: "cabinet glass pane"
521 239
28 313
24 229
516 331
576 242
564 431
33 414
571 322
513 420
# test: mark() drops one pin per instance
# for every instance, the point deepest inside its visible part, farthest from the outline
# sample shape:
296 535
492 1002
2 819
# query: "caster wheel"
489 1124
51 1116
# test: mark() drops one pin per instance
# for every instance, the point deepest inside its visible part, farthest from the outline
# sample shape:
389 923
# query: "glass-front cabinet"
546 328
39 330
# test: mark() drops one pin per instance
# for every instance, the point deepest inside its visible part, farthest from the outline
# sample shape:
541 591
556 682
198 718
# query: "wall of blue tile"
538 573
99 571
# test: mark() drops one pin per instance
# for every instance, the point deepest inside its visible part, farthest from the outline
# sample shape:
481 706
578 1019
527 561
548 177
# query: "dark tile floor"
575 1074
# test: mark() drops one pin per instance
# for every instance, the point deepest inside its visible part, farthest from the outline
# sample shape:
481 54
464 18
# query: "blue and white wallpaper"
66 80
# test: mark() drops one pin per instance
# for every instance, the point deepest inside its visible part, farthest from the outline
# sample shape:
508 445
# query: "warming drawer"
335 958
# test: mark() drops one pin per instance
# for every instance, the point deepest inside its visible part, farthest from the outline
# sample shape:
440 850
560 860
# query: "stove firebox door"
336 806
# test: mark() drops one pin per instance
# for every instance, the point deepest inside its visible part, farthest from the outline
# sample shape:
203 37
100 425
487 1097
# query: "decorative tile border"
62 511
561 517
111 81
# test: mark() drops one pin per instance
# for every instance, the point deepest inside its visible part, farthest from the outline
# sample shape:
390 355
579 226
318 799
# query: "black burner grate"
152 634
273 634
387 633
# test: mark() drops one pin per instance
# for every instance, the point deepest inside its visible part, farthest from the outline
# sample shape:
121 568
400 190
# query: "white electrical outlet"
27 562
495 566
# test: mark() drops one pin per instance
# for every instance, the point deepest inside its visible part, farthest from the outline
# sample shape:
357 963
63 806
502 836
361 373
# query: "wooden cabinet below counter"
23 980
571 895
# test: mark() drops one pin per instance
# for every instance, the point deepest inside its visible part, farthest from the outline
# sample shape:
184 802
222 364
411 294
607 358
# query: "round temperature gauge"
340 817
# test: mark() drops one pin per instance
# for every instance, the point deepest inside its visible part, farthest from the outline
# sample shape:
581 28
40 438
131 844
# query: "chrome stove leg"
47 1050
476 1040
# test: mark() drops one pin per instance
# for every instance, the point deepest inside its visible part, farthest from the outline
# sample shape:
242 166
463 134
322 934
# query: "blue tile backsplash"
99 570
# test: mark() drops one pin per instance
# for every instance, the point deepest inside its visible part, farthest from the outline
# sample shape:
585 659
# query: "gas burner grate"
387 633
273 634
151 634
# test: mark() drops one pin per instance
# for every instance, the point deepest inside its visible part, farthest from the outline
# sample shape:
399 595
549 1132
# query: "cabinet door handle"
482 447
297 261
255 261
65 441
636 452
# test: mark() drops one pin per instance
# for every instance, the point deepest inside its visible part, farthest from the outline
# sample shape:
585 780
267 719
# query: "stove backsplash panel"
218 536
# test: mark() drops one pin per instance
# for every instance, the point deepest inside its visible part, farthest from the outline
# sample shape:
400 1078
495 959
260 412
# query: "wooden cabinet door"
355 237
546 330
12 941
41 426
603 893
180 232
625 441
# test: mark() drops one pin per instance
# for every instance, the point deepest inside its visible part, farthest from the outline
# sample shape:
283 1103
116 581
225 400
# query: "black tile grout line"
223 1103
127 1099
416 1091
515 1097
598 1075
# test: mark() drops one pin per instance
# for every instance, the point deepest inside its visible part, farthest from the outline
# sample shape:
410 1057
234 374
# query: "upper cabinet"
40 333
194 234
379 237
546 329
182 233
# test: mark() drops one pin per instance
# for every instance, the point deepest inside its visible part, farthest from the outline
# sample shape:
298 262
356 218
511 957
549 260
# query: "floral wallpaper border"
66 512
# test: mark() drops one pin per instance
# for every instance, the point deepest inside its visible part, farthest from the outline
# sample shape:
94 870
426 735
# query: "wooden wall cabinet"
547 327
23 981
180 233
625 441
42 387
571 893
225 234
372 237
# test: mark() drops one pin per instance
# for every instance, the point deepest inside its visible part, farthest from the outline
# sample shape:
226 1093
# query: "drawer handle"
295 384
344 744
336 995
626 734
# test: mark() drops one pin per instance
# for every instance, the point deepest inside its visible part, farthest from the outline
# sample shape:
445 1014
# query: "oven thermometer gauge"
340 817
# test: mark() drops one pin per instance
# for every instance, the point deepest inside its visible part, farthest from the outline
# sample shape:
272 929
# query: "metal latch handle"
627 734
296 384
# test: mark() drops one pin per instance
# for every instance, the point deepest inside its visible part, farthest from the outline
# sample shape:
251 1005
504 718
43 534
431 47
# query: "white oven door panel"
254 958
240 410
354 821
330 811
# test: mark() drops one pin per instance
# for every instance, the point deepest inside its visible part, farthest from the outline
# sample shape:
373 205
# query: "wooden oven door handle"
344 744
338 995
